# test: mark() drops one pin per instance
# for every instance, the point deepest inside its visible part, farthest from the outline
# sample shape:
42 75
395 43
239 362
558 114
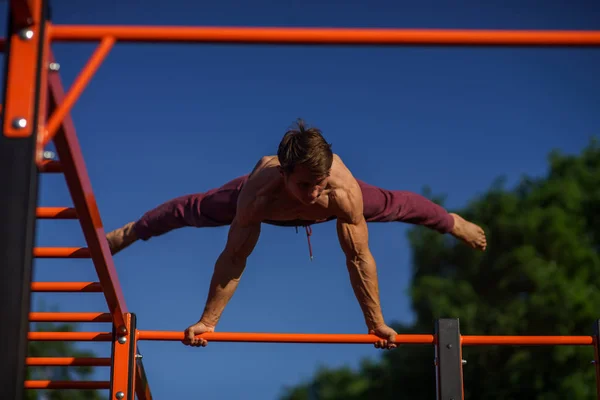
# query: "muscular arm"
354 240
242 238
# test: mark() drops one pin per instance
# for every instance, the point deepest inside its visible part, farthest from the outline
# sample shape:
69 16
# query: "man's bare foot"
469 233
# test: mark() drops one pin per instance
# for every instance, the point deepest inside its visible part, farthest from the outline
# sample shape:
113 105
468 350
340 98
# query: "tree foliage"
539 276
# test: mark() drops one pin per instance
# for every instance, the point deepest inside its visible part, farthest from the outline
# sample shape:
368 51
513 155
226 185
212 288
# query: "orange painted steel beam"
473 340
69 317
50 166
61 252
354 36
67 385
142 388
285 337
84 201
123 356
56 213
23 13
70 336
18 111
91 287
77 88
67 362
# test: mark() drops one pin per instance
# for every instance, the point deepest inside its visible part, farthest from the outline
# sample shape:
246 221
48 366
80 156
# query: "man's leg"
383 205
216 207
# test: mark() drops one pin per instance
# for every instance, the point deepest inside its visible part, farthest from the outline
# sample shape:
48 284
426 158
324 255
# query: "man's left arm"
354 240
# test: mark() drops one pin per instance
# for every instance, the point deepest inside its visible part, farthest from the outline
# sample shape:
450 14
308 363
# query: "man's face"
303 186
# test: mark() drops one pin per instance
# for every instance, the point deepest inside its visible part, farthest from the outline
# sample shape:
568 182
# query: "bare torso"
264 194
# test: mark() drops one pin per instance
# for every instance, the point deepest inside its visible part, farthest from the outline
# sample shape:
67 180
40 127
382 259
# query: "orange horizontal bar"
70 336
61 252
285 337
56 213
67 385
527 340
66 287
357 36
67 361
50 166
69 317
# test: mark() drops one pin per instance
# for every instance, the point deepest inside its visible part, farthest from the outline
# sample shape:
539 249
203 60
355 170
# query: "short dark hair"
302 145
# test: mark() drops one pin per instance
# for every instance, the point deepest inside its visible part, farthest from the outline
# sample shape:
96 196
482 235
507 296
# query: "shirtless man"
304 184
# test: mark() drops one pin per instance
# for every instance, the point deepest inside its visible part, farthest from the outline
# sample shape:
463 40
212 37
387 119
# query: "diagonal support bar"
80 187
87 73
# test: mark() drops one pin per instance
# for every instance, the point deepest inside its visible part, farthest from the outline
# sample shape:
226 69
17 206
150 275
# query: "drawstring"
308 235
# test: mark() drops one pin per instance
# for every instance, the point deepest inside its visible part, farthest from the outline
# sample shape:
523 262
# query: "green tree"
59 373
539 276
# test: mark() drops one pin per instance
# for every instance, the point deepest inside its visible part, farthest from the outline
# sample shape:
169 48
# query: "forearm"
363 277
224 282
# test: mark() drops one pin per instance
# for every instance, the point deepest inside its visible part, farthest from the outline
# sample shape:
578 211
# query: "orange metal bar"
90 287
69 317
61 252
527 340
43 100
50 166
67 385
142 388
79 85
84 200
123 353
22 71
67 361
56 213
286 337
355 36
70 336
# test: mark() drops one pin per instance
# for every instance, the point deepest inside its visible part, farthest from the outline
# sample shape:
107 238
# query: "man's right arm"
242 238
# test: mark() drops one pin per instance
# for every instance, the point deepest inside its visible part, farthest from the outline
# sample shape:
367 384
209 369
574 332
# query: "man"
304 184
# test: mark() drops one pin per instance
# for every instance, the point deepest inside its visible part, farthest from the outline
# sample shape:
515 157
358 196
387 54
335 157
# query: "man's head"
305 158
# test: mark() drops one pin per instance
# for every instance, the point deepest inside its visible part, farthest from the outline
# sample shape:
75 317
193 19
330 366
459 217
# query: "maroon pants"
217 207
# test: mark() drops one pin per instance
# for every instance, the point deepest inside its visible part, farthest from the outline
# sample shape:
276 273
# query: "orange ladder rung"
68 361
56 213
61 252
69 317
67 385
91 287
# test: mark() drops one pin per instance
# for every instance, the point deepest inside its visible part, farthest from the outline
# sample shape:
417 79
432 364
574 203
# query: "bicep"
242 239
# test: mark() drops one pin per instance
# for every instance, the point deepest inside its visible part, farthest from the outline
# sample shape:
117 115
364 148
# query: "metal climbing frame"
37 111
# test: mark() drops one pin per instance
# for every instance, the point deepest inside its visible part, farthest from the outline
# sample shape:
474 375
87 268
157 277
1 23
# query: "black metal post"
18 202
448 360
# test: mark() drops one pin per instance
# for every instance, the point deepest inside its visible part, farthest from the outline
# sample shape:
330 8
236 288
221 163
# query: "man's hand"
387 335
189 335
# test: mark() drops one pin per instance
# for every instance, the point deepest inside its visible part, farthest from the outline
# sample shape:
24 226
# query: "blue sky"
159 121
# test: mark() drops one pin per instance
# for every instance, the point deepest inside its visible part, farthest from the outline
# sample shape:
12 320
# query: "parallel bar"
67 385
84 200
56 213
50 166
70 336
89 287
18 196
79 85
286 337
352 36
67 362
61 252
474 340
69 317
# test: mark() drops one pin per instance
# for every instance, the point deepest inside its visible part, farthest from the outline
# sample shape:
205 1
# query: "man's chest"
282 210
